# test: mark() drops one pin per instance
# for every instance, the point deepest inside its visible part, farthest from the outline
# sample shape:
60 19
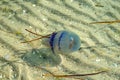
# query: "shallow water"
29 61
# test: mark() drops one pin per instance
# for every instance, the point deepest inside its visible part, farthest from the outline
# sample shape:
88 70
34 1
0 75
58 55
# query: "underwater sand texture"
23 61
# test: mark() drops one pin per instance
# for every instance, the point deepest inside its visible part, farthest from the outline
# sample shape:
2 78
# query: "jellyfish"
60 42
63 42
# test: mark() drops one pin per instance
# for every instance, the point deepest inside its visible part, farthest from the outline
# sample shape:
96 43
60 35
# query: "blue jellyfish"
60 42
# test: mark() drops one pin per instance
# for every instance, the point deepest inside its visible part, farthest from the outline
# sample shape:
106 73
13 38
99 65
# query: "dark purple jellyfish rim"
51 42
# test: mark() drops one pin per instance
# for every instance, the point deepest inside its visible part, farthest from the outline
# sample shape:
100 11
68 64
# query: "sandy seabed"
100 42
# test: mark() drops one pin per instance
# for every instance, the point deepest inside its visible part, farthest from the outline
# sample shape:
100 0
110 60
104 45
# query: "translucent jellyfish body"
60 42
64 42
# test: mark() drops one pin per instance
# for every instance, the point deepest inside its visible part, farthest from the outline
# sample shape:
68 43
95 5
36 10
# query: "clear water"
100 42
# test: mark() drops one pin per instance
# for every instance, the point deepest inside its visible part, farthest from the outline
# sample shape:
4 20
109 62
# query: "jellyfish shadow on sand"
42 57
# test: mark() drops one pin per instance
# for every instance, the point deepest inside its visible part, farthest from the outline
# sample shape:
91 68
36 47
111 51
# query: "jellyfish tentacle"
34 39
46 36
36 33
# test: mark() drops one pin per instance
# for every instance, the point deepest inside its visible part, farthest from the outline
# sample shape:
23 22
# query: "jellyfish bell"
65 42
60 42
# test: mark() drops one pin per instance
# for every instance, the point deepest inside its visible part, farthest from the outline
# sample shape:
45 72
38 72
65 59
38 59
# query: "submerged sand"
25 61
